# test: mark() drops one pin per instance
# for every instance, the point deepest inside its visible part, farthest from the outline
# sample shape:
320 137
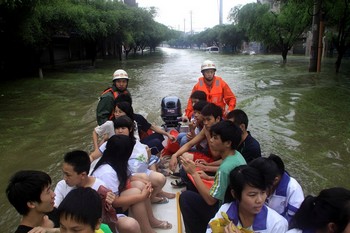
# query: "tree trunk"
338 62
51 54
41 76
284 55
119 51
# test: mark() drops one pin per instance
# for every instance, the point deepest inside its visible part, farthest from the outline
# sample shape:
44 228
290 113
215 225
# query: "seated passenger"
211 114
199 206
285 194
30 193
248 209
322 213
106 130
195 126
249 146
196 96
81 211
139 161
112 169
75 167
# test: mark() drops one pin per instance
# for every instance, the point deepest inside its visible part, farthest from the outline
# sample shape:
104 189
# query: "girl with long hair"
112 168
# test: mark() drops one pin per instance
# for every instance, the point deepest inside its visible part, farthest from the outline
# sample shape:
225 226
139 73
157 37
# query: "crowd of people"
228 186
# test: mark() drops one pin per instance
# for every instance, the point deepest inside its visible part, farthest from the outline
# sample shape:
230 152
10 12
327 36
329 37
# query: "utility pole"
220 12
184 25
317 34
191 22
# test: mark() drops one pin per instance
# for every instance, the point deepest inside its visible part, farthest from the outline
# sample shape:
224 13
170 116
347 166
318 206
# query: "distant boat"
212 49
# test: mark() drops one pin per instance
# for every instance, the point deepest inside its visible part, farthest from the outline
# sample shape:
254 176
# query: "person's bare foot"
167 195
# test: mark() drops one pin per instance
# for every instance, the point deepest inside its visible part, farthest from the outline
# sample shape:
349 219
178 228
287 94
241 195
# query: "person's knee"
128 225
188 155
157 179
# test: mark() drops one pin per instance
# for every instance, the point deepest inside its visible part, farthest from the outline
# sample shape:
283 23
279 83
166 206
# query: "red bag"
171 147
109 215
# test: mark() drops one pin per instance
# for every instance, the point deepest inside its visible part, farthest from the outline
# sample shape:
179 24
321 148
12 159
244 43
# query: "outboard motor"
171 111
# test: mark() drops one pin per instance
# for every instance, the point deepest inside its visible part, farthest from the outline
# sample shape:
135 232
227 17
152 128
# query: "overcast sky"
177 13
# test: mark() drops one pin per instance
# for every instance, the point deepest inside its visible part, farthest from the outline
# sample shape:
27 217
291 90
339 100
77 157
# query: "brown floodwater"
301 116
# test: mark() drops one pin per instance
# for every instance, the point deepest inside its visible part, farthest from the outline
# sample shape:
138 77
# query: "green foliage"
279 27
34 23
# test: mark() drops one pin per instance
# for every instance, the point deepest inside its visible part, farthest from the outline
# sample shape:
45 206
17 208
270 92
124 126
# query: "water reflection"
301 116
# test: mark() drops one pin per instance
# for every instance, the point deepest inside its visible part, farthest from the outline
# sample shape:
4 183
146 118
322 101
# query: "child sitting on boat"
247 209
139 161
285 194
200 205
82 209
112 168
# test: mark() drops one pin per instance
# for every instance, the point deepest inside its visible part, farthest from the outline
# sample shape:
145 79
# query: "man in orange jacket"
217 90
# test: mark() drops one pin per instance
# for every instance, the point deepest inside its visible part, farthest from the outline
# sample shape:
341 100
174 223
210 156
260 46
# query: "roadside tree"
279 27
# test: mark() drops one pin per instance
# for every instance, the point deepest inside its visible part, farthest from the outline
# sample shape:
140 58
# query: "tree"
337 17
27 29
277 28
232 36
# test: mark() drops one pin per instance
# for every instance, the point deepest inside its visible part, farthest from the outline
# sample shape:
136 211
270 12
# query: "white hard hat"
207 64
120 74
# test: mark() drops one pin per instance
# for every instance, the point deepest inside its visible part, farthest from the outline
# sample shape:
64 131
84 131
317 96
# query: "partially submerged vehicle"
212 49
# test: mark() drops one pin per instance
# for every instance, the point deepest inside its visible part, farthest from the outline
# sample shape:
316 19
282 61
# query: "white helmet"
120 74
207 64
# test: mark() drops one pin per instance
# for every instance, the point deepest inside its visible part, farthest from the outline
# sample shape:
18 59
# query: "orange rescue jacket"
219 93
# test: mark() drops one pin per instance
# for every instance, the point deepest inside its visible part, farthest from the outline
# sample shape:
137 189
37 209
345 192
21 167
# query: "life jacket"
115 95
216 94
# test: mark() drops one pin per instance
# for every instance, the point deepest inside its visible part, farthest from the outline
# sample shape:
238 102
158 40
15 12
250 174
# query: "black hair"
245 175
212 110
199 105
316 212
279 162
125 121
227 131
117 154
82 205
26 186
123 98
267 167
239 117
127 108
345 216
79 160
200 95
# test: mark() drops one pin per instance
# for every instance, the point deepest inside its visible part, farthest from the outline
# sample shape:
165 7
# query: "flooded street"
301 116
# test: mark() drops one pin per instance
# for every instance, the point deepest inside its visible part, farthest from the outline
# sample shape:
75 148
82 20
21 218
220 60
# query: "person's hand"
38 230
188 165
190 136
147 190
47 223
110 197
171 137
184 118
231 228
203 175
148 151
200 166
200 162
192 125
173 163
